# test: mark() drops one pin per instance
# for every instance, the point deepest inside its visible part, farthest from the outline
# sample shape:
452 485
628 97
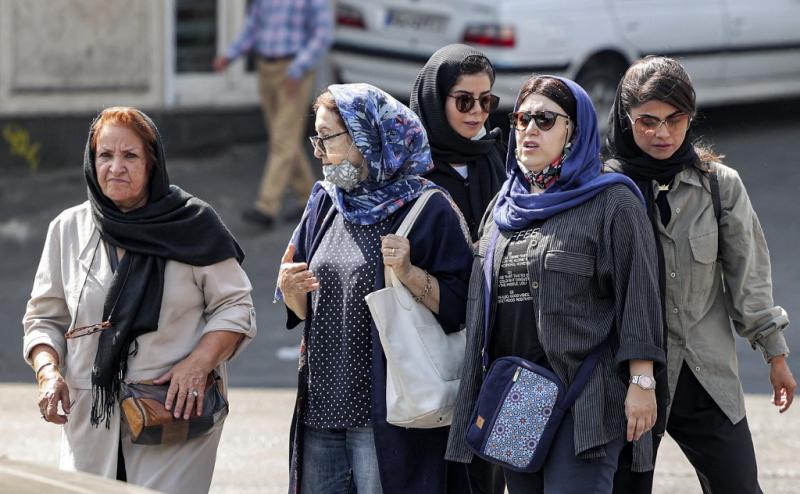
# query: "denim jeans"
340 461
564 473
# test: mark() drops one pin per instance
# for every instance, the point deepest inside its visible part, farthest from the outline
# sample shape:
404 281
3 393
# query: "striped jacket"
593 274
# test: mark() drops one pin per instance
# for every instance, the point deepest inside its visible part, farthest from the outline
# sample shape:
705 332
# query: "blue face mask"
345 175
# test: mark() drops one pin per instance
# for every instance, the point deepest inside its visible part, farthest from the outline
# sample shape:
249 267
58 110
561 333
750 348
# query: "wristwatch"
644 382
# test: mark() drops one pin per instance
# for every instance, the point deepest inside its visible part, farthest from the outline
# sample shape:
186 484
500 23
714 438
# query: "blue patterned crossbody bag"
520 405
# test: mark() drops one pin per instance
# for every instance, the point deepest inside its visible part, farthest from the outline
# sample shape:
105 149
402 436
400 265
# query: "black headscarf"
484 157
171 225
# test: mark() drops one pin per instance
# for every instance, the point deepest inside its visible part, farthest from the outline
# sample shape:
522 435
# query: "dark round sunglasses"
545 120
465 102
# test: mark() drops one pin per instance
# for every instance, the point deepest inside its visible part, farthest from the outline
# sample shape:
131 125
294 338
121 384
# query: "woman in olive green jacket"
715 269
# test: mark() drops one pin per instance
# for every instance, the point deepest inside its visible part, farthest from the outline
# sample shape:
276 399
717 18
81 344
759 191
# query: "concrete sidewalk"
253 454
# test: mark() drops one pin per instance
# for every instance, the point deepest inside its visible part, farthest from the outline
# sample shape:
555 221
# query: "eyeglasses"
647 125
87 330
465 102
319 141
545 120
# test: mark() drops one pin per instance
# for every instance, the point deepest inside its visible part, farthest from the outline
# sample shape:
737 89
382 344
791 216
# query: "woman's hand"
187 379
396 252
52 391
187 387
641 411
783 383
640 404
295 281
294 277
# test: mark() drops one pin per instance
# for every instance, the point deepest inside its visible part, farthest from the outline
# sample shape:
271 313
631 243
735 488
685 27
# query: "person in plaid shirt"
289 37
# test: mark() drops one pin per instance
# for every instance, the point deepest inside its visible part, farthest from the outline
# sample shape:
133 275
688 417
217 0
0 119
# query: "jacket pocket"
569 262
566 284
704 249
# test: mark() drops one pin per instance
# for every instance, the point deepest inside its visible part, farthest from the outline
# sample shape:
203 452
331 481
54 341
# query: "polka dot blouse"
340 343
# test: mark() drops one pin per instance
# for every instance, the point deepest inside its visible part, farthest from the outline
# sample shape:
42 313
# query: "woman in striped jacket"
573 267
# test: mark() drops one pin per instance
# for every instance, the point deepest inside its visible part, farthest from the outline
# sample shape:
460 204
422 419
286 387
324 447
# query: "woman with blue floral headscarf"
373 150
573 267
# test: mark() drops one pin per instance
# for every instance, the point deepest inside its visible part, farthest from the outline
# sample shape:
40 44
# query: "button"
674 310
534 242
673 275
697 368
677 210
535 285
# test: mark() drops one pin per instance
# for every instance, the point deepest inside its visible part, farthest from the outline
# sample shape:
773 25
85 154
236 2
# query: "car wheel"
600 83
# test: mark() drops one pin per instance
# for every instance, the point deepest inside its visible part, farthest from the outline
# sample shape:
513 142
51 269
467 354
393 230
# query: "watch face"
646 382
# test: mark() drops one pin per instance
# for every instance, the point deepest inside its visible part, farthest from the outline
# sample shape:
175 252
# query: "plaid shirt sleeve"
320 29
249 35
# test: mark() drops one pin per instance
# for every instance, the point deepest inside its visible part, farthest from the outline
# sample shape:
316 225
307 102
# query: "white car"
734 50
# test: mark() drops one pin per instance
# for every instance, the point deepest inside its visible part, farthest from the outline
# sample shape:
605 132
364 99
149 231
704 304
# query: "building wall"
71 56
61 61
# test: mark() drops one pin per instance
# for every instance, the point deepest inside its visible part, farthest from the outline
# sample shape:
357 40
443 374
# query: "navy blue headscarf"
581 174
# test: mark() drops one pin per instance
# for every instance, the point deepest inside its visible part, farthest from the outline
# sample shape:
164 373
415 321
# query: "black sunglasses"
545 120
465 102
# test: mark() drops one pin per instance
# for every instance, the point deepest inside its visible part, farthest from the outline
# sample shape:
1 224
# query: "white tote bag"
423 363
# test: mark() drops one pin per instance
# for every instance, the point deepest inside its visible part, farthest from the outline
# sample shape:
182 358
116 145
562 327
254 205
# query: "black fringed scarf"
485 157
172 225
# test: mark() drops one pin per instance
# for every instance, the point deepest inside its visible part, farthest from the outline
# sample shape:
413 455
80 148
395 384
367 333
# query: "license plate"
406 19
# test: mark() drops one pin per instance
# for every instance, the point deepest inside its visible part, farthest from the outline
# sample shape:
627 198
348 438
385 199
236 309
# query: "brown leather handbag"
149 422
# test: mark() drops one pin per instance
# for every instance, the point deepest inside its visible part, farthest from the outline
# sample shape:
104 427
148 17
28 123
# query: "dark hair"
655 78
551 88
127 116
476 64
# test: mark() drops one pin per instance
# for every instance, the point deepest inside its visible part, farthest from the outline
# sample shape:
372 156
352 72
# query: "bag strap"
713 183
488 268
587 366
584 373
390 279
416 209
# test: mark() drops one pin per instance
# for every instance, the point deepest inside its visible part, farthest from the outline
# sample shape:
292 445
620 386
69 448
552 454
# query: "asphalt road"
759 140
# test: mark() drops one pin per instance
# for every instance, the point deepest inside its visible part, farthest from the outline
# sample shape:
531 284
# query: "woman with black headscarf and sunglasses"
452 96
142 282
714 269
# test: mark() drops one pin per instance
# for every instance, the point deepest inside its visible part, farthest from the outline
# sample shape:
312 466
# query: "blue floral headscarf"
581 174
395 148
394 145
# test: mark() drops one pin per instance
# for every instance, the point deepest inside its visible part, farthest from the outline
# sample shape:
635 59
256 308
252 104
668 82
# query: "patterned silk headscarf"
395 148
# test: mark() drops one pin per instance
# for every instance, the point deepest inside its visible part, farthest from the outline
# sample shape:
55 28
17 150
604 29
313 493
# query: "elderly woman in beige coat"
151 277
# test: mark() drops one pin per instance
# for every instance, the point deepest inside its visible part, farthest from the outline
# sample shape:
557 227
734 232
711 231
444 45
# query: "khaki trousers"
285 119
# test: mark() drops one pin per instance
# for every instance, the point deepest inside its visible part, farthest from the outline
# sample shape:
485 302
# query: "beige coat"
69 290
